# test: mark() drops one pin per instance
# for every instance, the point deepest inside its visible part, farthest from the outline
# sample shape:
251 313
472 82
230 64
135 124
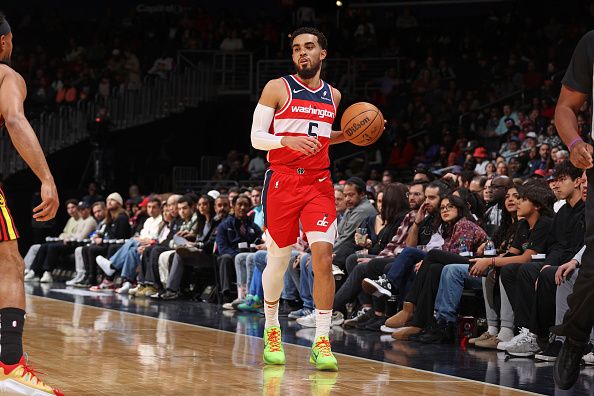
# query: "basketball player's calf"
323 295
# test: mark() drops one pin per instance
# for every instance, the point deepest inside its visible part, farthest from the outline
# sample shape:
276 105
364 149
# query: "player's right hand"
48 207
304 144
581 155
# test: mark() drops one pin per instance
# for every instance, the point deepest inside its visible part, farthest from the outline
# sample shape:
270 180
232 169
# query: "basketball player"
15 376
293 121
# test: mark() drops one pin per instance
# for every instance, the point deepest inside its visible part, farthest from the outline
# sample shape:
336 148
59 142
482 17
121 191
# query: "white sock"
505 334
493 330
323 322
240 292
271 313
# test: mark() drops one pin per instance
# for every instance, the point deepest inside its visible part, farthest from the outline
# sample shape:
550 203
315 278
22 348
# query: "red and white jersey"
307 112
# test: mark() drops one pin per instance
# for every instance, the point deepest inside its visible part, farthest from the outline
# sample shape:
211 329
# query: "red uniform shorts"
293 196
8 231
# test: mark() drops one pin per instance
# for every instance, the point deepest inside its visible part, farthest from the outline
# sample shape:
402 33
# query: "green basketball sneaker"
273 347
321 355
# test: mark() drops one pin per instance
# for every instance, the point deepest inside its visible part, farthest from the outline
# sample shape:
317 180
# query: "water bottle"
464 252
490 249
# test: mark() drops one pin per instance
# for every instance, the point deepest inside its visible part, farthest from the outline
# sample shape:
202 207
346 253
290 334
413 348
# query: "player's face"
6 47
307 55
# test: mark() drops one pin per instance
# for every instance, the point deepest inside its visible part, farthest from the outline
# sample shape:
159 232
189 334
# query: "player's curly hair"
310 30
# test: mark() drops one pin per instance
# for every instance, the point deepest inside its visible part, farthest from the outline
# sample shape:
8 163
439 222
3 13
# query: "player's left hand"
48 207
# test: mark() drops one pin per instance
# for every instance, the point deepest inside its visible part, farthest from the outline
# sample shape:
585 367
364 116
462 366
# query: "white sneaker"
79 277
126 286
504 345
386 329
525 347
46 278
30 277
308 321
337 318
105 265
337 272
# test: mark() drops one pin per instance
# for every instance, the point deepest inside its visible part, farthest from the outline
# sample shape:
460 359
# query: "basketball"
362 124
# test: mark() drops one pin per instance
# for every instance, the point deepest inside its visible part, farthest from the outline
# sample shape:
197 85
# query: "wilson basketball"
362 124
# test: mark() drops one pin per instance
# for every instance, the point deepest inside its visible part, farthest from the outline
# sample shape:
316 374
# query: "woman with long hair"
462 237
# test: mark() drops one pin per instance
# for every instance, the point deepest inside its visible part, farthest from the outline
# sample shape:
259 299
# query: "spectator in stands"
198 256
99 213
523 283
117 227
68 232
561 156
502 169
339 202
535 200
543 162
149 281
456 277
352 286
127 258
508 118
232 42
460 235
481 155
235 229
92 194
257 166
162 67
492 218
358 209
49 253
257 209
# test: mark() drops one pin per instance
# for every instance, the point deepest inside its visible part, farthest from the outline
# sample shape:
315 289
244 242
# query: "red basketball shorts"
8 231
294 196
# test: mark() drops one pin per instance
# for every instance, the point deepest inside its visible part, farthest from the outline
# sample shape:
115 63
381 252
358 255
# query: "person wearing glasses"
461 235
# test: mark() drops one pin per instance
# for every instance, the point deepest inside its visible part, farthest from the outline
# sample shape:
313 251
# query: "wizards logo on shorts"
323 222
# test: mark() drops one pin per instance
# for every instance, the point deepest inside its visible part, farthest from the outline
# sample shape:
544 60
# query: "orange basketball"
362 124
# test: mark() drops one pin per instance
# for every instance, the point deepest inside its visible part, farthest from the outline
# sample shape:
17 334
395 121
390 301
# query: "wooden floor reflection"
93 351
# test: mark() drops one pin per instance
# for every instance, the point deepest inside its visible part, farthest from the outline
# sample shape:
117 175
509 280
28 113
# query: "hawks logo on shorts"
8 231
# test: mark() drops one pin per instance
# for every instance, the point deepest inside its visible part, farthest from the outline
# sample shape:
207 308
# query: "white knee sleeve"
277 261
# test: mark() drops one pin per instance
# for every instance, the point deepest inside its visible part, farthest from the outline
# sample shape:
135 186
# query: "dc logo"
323 222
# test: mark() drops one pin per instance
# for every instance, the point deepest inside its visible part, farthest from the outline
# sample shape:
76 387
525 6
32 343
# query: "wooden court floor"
86 350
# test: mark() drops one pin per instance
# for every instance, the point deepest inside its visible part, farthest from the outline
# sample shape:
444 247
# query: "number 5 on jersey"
310 131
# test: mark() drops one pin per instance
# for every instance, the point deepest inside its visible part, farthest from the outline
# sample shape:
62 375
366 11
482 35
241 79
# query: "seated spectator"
127 258
68 232
148 278
358 209
531 286
47 257
99 212
534 209
461 236
117 227
235 229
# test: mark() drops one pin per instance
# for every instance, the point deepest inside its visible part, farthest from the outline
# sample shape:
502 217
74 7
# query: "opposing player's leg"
15 375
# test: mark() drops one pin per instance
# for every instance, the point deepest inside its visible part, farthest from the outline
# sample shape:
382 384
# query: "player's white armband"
261 138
